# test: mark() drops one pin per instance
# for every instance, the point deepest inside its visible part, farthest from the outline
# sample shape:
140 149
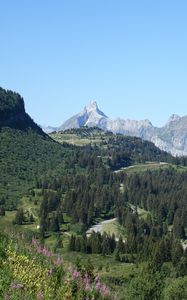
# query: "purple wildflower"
39 249
40 295
6 296
104 290
97 283
87 282
76 274
58 261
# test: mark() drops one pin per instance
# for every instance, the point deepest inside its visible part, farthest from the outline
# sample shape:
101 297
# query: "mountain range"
172 137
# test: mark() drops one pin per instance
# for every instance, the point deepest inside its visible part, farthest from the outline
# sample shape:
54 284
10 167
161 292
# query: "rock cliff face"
171 138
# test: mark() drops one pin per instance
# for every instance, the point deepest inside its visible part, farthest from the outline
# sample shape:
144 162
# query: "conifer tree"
19 217
72 243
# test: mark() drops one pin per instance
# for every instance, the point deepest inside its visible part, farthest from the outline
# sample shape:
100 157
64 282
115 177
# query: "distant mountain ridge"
171 138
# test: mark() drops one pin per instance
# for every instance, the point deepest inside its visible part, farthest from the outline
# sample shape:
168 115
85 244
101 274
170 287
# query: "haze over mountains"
171 138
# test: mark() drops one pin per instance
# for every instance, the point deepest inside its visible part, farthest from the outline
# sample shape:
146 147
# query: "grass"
29 206
142 213
76 139
113 228
152 167
6 220
144 167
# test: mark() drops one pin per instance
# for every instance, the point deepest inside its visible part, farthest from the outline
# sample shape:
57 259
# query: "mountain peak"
90 116
93 109
173 118
92 105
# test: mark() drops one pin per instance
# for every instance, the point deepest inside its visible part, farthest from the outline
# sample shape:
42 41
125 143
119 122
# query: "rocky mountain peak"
92 111
92 106
173 118
146 123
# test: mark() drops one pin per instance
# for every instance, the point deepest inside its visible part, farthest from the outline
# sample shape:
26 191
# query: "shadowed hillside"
26 152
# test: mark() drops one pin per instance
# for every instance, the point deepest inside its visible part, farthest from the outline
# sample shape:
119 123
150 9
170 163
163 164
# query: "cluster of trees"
163 193
150 239
85 131
96 243
95 192
86 195
82 197
22 217
147 239
125 150
91 198
51 215
11 104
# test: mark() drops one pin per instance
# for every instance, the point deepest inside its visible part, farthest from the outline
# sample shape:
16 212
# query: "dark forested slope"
25 151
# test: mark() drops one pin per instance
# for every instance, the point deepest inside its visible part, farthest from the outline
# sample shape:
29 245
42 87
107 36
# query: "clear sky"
128 55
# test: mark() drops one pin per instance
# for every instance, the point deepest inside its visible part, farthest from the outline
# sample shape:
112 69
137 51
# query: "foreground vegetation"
31 271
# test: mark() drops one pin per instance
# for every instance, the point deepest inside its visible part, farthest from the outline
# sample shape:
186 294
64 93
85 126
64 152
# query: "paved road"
98 227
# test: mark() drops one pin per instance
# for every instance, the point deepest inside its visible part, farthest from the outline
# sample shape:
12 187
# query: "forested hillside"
54 189
27 154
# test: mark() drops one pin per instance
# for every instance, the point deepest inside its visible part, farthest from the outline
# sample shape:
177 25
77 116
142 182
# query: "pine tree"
176 252
83 243
96 242
19 217
31 218
120 245
54 225
78 244
72 243
58 243
105 246
117 256
178 227
60 217
2 211
182 267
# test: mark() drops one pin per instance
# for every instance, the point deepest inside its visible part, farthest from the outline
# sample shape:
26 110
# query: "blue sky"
129 56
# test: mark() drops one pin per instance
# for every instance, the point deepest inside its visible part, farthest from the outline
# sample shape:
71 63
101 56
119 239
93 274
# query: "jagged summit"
173 118
92 105
92 108
90 116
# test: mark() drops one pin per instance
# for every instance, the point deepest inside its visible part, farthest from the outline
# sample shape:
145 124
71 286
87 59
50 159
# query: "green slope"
26 152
